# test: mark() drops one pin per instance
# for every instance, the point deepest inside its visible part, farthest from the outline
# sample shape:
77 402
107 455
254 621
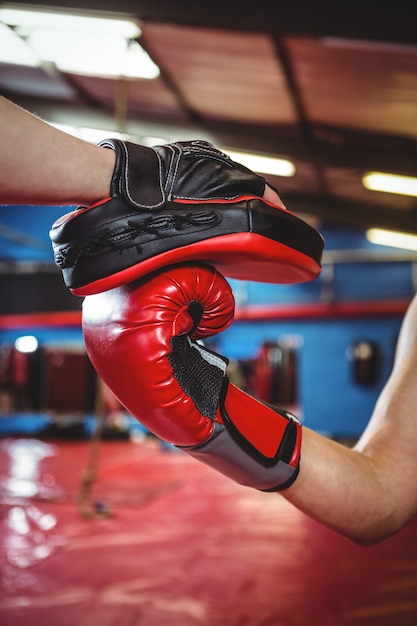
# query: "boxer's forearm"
368 493
40 164
343 489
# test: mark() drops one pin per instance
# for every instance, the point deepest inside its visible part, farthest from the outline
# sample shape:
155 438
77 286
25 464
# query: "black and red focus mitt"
181 202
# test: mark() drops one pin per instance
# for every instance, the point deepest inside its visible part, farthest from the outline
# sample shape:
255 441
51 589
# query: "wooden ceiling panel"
137 96
357 85
223 75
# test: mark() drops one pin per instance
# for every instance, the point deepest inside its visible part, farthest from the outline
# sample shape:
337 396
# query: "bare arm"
40 164
370 492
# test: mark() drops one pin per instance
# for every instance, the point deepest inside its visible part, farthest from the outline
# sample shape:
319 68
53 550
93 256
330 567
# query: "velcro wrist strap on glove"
254 444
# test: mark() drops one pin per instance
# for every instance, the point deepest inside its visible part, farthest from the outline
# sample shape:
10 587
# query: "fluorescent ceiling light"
150 141
263 164
81 44
96 55
391 183
41 18
14 50
92 135
392 238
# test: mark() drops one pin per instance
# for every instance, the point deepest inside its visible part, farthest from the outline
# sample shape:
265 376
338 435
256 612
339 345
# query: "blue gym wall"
330 401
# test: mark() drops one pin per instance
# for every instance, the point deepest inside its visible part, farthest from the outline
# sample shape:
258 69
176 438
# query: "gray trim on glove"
225 455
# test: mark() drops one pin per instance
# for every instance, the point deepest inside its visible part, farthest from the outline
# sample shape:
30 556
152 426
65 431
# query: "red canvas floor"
184 547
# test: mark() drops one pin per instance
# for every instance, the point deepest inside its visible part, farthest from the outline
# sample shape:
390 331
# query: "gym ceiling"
330 86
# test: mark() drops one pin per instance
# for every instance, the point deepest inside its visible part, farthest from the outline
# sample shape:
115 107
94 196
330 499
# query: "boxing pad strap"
182 171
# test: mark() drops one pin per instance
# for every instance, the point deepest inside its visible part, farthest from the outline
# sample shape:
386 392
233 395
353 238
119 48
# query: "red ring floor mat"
165 541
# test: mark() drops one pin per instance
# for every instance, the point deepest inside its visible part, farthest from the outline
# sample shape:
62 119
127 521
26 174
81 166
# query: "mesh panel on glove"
199 373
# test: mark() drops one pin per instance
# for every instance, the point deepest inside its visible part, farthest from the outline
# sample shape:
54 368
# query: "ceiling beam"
373 21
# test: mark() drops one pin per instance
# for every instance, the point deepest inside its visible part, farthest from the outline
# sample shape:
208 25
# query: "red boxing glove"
142 338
